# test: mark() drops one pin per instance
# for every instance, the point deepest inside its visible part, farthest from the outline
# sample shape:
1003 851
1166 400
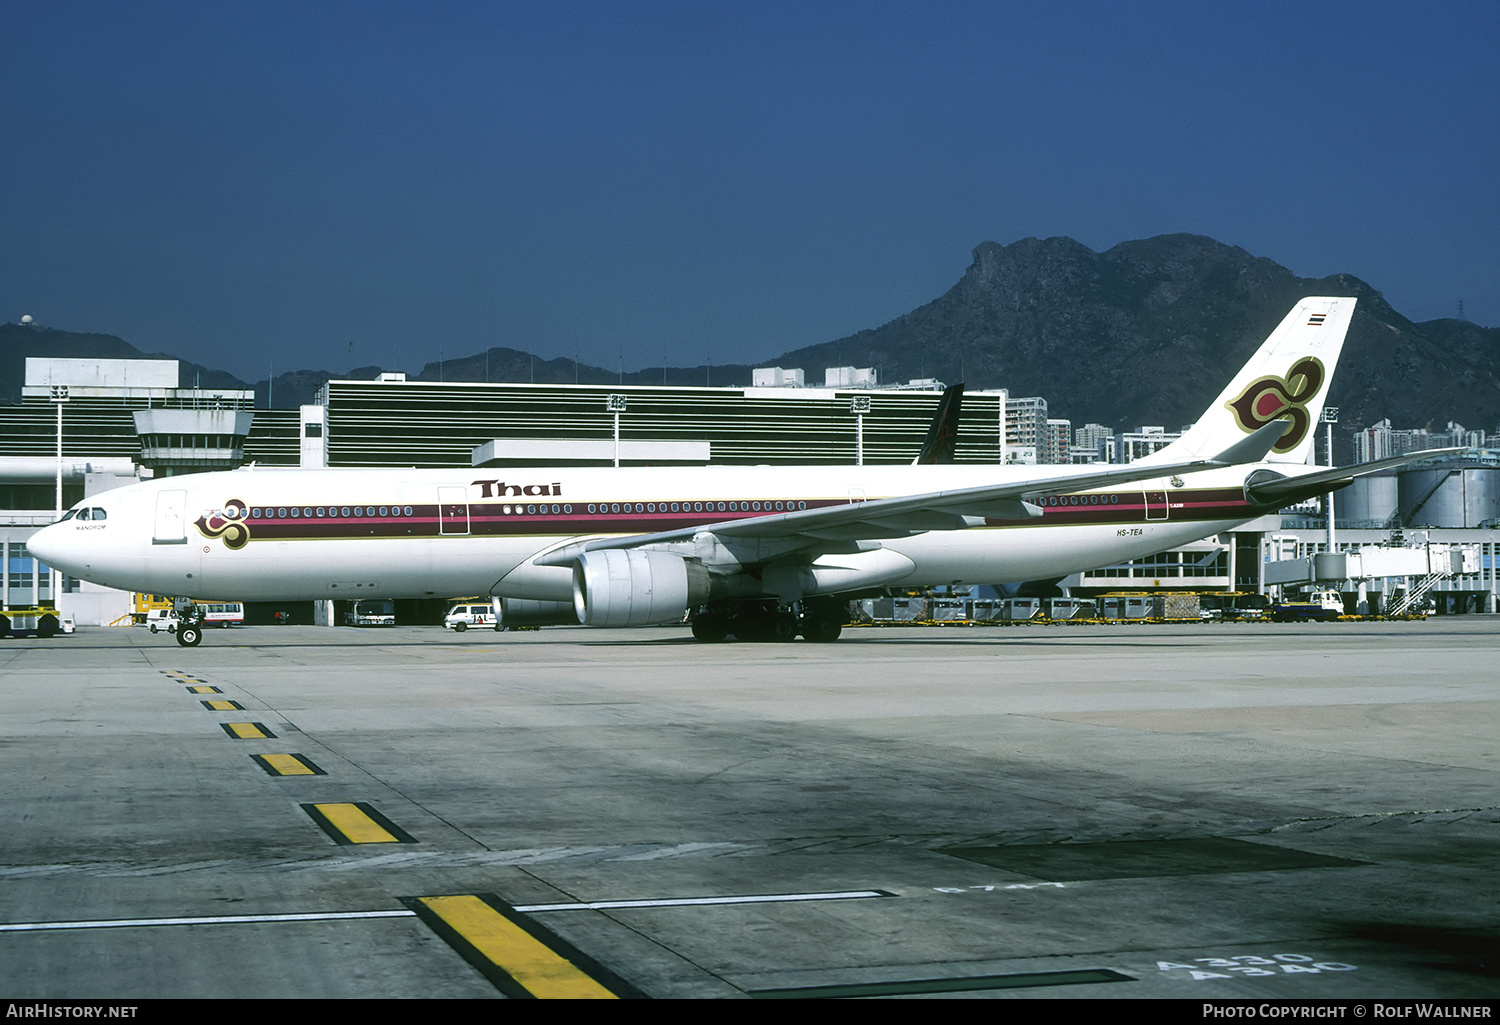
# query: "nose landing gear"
189 622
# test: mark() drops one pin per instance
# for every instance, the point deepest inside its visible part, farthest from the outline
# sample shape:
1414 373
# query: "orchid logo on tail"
1281 398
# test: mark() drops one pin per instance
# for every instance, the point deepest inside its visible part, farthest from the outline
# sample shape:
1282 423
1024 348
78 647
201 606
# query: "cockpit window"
70 514
99 514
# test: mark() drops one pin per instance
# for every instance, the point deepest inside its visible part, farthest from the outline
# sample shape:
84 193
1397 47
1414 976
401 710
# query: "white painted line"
681 902
335 916
130 923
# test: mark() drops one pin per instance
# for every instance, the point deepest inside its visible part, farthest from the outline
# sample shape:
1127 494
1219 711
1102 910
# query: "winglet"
942 434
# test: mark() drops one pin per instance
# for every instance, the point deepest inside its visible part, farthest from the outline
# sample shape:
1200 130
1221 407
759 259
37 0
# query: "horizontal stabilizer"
1254 448
1279 491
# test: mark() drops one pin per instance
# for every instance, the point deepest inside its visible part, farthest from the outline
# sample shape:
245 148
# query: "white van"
465 615
162 619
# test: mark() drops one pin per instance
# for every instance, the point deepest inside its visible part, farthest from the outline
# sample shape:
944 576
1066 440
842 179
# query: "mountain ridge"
1144 332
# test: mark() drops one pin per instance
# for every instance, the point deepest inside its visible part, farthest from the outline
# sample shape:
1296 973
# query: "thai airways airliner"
757 552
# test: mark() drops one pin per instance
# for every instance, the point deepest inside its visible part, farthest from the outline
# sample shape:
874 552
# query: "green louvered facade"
436 425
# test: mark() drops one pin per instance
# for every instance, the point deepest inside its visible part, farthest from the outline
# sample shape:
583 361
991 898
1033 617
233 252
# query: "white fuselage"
261 534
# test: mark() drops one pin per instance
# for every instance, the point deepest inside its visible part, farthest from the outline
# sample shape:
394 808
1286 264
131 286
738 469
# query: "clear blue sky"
248 184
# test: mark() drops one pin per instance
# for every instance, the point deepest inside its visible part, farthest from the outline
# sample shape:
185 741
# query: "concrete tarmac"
1230 811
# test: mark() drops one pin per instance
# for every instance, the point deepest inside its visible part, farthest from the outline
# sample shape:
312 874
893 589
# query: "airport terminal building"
85 426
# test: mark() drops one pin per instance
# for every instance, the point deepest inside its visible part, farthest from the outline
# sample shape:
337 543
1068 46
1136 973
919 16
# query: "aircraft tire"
822 631
711 627
189 636
782 627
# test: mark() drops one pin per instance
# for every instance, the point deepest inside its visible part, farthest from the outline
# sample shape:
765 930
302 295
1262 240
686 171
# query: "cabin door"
1156 505
453 510
171 518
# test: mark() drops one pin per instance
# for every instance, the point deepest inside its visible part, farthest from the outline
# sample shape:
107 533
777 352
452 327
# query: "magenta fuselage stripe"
488 519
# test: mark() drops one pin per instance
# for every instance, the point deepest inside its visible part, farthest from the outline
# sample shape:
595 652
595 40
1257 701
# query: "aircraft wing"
1272 490
906 515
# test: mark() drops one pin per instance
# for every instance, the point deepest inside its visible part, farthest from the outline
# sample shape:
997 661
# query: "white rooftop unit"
776 377
584 451
45 371
850 377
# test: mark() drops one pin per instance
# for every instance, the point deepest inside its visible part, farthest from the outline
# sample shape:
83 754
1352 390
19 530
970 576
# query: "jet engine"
636 588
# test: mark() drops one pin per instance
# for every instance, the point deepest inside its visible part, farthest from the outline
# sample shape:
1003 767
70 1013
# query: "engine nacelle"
528 612
636 588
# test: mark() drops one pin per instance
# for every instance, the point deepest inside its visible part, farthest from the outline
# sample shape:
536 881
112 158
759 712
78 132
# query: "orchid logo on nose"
1281 398
227 523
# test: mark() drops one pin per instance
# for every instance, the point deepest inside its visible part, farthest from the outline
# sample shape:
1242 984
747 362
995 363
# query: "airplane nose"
50 546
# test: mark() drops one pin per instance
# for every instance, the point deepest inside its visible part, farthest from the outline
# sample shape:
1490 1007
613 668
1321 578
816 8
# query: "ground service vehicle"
1233 605
371 612
34 622
467 614
1318 605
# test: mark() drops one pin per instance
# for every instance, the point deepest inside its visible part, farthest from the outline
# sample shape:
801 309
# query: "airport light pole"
616 405
859 405
59 396
1330 417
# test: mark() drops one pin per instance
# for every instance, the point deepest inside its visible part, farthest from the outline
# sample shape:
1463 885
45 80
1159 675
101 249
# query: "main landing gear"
819 620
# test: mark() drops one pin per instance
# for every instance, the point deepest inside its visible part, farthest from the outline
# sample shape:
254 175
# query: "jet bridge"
1422 565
